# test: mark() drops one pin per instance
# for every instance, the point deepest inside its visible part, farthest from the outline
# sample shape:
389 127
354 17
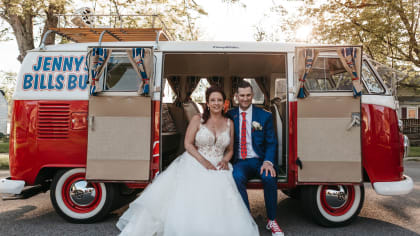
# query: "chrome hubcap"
82 193
336 197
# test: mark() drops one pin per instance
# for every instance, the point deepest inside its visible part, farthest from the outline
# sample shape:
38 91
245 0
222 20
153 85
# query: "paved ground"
380 215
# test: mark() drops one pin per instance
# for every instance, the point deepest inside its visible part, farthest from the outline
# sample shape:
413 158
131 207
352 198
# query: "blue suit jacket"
264 141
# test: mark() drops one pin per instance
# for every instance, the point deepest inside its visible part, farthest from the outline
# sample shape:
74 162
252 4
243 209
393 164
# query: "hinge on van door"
299 163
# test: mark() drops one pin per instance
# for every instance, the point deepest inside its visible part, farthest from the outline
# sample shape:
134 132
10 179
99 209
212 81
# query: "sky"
225 22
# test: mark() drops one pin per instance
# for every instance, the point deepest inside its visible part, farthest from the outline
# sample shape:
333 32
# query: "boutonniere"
256 126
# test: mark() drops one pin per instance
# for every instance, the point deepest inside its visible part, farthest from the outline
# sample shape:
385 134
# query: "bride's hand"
223 165
209 166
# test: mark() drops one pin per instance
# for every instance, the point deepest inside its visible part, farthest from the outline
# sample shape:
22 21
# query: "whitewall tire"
333 205
80 201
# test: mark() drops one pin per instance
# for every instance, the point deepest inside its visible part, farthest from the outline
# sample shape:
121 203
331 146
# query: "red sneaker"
275 228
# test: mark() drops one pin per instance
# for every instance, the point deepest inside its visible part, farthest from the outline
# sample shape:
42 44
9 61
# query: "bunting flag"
98 60
350 58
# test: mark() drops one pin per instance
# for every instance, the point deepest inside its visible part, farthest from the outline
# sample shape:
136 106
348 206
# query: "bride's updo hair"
210 90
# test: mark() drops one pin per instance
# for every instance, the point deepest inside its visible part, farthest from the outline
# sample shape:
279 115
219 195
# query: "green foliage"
414 152
8 84
4 162
4 147
388 30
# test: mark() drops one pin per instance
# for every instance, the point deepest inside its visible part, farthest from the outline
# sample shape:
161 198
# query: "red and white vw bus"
85 127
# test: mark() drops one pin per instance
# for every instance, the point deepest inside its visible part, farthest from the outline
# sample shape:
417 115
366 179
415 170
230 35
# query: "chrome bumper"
394 188
8 186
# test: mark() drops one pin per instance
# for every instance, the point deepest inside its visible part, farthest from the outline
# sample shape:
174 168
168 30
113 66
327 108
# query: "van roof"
182 46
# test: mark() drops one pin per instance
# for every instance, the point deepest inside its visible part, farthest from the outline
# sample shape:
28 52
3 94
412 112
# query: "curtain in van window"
350 57
192 82
305 60
174 82
216 81
264 89
142 61
98 59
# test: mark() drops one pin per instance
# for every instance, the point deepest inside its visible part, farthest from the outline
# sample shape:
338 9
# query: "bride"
196 194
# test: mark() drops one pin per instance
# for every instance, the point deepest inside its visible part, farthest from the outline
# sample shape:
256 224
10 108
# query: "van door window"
372 84
120 74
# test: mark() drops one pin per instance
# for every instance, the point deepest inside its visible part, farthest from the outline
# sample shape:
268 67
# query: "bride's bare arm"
189 143
223 164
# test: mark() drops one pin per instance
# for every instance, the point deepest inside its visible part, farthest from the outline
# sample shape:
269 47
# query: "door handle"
355 121
91 121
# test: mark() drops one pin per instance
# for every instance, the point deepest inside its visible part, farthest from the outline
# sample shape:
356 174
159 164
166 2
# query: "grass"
4 147
414 152
4 162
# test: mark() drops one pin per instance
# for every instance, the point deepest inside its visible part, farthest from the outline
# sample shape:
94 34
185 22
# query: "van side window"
199 93
372 84
258 94
120 74
169 96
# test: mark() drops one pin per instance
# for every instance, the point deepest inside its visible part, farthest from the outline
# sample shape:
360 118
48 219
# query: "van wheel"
333 205
80 201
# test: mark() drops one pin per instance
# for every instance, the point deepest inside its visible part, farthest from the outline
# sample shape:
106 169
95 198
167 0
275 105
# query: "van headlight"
400 125
406 146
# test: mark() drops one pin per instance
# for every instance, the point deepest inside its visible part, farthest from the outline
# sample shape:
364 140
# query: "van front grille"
53 120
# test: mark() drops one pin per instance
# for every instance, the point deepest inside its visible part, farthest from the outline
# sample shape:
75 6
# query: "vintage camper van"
94 122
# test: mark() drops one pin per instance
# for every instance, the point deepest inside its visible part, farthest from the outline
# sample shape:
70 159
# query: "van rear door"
119 114
328 117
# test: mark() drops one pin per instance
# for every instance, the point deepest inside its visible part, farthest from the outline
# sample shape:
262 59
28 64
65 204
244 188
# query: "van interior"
186 77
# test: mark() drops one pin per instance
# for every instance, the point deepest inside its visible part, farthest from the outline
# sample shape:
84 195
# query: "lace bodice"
212 148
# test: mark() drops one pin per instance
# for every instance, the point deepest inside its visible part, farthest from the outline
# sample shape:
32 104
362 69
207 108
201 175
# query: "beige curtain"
191 84
264 88
174 82
99 57
142 61
216 81
304 61
350 57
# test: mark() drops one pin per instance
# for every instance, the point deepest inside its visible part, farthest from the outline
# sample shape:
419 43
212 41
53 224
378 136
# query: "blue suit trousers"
246 169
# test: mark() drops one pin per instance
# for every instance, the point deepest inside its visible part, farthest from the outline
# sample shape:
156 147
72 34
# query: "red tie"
243 136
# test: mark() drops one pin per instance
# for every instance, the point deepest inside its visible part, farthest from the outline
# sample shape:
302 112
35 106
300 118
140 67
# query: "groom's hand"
268 168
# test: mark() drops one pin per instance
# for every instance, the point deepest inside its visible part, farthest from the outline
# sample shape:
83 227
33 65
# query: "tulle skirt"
187 199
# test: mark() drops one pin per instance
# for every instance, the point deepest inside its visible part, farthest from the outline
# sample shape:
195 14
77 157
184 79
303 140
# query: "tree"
8 84
23 15
387 29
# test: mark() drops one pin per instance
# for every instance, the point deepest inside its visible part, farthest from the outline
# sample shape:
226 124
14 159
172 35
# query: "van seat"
190 110
169 132
168 124
278 111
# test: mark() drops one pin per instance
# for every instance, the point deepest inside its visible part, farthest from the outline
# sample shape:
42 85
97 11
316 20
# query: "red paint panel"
292 175
381 144
36 138
155 133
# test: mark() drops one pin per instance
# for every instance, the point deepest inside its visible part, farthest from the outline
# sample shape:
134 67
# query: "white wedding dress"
188 200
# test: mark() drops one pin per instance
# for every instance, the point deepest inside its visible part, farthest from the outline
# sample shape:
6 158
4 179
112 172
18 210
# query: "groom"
255 148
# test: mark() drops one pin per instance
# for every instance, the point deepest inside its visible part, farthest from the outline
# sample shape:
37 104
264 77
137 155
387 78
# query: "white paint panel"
380 100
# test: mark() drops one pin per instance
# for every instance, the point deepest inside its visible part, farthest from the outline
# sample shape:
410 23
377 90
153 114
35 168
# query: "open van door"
328 116
119 114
